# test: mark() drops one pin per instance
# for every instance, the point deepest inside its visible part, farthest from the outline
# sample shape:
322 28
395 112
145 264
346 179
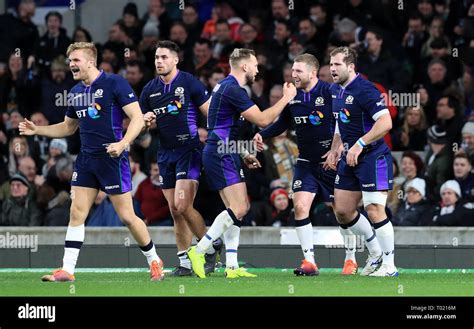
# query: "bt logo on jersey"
174 107
92 111
345 115
315 118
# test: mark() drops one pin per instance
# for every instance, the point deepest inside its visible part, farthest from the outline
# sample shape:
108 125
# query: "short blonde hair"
308 59
239 54
89 47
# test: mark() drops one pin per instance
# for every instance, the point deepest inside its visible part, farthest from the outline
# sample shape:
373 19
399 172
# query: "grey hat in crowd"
437 135
150 30
468 128
20 178
59 143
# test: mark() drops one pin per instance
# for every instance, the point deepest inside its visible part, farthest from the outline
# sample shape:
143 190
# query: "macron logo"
130 95
37 312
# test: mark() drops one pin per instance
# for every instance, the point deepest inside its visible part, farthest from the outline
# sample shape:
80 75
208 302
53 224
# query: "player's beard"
304 83
249 78
343 78
164 74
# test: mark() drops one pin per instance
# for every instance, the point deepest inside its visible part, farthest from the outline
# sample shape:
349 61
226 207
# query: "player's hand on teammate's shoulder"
289 91
258 140
116 149
252 162
27 128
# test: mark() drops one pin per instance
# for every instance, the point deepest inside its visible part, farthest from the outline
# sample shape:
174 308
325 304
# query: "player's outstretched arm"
263 119
135 127
63 129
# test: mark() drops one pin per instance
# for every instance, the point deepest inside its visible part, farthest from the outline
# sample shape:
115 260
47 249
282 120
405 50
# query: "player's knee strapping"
375 197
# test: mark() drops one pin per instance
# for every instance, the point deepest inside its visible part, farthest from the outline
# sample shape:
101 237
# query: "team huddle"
343 158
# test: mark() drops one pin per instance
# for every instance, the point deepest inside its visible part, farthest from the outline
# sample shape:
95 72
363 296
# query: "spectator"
137 175
425 9
223 45
415 207
411 168
436 30
413 41
412 134
57 149
438 162
440 50
463 174
19 208
314 44
19 32
147 45
449 117
248 35
39 145
453 210
216 76
80 34
52 44
226 11
52 86
192 23
281 209
27 167
436 85
179 35
203 62
104 213
18 149
158 16
18 87
12 124
325 74
468 140
131 22
319 15
378 63
280 14
134 76
152 200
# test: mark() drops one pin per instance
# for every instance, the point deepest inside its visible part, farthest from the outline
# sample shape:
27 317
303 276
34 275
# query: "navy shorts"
111 175
179 163
373 172
222 169
311 177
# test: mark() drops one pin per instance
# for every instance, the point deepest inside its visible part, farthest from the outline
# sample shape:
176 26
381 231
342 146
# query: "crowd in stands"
422 49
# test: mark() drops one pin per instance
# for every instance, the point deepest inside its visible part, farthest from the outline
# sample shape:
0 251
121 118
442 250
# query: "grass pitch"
270 282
